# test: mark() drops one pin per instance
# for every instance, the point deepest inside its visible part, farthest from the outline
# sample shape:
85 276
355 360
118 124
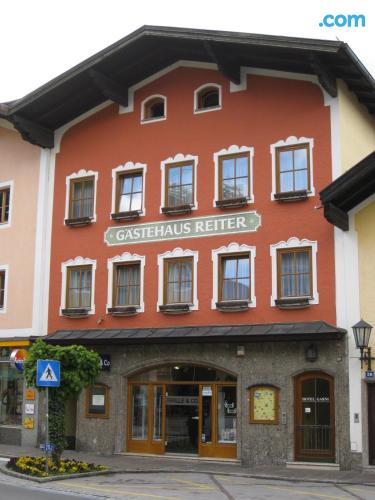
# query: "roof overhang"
110 73
348 191
266 332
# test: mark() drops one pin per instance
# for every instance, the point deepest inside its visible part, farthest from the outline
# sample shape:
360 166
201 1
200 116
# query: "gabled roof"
265 332
347 191
109 73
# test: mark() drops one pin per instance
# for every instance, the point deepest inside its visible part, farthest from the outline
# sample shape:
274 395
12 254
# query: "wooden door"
371 422
314 417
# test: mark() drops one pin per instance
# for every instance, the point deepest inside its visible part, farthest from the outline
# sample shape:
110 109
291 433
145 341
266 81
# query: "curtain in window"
128 285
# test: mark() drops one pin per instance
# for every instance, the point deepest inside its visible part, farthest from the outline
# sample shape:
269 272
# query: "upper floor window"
154 108
292 177
128 191
81 198
207 98
179 185
78 294
2 289
4 205
234 278
294 274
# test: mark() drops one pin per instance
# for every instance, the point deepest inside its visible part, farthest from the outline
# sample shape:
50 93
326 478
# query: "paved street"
179 486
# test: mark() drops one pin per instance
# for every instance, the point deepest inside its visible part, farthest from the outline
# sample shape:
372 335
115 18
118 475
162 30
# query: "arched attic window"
154 108
207 98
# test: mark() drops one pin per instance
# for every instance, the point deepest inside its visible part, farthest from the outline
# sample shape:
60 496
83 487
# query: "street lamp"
362 332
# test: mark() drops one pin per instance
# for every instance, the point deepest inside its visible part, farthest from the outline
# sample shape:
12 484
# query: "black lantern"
362 332
311 353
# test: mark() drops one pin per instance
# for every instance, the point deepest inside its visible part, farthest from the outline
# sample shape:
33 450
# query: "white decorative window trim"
5 267
232 150
77 175
125 258
178 159
292 141
294 242
227 250
144 120
177 252
129 166
197 91
10 185
77 261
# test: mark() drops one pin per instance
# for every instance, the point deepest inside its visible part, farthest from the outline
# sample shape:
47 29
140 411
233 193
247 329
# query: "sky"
40 39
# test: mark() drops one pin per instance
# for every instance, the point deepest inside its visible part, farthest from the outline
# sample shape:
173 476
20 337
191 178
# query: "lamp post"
362 332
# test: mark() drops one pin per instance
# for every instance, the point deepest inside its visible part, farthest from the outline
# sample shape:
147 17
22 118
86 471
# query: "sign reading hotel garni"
195 227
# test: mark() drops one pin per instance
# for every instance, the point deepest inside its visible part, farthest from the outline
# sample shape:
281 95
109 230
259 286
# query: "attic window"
207 98
154 108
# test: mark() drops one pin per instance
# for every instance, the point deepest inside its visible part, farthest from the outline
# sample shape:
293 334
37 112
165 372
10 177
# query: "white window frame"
232 150
77 261
197 91
295 242
232 248
144 120
5 267
178 159
174 254
292 141
129 166
10 185
78 175
125 258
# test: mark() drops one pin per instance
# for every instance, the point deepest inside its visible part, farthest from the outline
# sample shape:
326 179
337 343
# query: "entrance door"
371 422
314 418
182 418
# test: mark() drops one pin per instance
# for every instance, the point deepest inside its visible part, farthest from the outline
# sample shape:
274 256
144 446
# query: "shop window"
97 401
4 205
292 169
81 198
78 290
207 98
2 289
234 282
11 392
264 404
294 273
179 188
154 108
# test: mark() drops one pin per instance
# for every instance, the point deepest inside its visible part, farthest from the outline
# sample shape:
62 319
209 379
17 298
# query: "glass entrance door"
315 420
182 418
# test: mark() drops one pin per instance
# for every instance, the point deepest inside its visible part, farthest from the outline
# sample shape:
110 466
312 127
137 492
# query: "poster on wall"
264 404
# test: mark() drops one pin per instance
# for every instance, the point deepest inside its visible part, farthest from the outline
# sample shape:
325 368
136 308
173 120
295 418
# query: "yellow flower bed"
36 466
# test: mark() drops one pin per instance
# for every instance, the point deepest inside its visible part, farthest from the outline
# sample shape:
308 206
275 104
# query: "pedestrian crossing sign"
47 373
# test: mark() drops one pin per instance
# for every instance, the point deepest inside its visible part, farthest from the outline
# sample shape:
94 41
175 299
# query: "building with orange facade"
188 248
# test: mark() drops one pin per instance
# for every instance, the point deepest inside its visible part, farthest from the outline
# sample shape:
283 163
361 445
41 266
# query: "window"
234 275
178 281
81 198
292 175
127 285
79 287
97 401
11 391
207 98
2 289
179 185
154 108
4 205
234 177
294 273
130 192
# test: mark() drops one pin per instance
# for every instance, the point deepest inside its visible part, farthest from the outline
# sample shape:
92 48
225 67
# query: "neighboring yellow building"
349 204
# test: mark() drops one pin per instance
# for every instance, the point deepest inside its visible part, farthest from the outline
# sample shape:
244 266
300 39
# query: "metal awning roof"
347 191
266 332
109 73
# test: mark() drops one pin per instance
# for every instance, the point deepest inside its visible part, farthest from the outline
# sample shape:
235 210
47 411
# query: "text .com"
343 21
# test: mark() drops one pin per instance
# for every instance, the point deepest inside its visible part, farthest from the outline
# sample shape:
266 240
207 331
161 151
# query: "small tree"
79 369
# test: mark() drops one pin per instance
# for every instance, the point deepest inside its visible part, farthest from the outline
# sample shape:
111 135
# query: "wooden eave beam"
110 89
228 67
336 216
33 132
326 79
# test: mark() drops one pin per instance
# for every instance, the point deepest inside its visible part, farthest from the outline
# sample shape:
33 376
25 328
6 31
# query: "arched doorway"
183 409
314 417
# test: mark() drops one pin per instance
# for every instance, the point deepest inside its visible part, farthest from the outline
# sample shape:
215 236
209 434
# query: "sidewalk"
133 463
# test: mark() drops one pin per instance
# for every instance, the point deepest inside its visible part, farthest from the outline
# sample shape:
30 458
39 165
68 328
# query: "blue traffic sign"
49 447
47 373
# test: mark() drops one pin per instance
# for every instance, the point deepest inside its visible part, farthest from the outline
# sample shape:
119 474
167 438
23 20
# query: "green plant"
79 369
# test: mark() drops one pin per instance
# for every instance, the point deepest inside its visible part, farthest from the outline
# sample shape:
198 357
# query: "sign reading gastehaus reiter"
197 227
